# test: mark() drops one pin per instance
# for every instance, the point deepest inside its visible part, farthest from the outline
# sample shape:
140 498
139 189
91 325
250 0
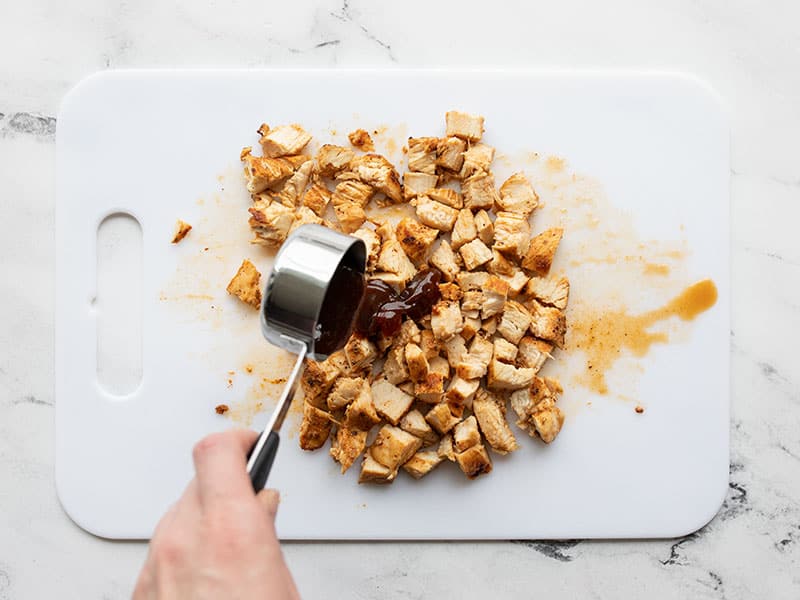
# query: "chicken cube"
331 159
393 259
474 461
541 251
422 463
548 323
409 334
446 449
414 423
484 227
547 419
390 401
435 214
246 284
444 259
395 368
550 291
456 350
372 243
181 229
379 173
464 229
515 321
422 154
416 239
347 446
515 282
315 428
511 234
472 325
472 300
439 364
352 191
270 222
284 140
344 391
472 281
517 195
463 125
351 216
490 325
450 153
446 196
262 172
361 413
490 412
361 139
450 291
460 390
393 446
475 254
446 320
495 294
504 351
476 361
316 198
479 192
360 352
416 362
477 158
533 353
294 187
431 388
466 434
418 184
441 418
429 345
503 376
374 472
304 216
317 379
500 265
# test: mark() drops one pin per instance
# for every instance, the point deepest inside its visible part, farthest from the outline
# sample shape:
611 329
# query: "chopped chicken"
415 424
476 361
533 353
435 214
490 412
304 216
446 320
360 139
332 160
503 376
515 321
517 195
464 125
475 254
460 391
537 411
360 352
351 216
472 281
416 362
373 244
422 463
515 282
466 434
472 300
474 461
464 229
390 401
445 449
294 187
499 264
548 323
541 251
409 334
284 140
472 325
440 365
374 472
262 172
395 368
418 184
339 360
393 259
490 325
484 227
422 154
547 419
353 191
316 198
456 350
317 379
181 229
441 418
378 172
344 391
504 351
270 222
446 196
444 259
429 345
361 413
549 291
511 234
393 446
495 294
431 388
415 238
479 192
450 291
450 153
477 158
347 446
246 284
315 428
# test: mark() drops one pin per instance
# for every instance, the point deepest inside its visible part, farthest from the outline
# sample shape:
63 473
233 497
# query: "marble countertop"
751 55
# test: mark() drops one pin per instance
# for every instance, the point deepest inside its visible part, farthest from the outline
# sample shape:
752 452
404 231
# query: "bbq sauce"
338 310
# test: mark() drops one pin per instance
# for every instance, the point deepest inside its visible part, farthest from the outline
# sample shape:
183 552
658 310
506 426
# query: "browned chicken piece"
430 347
495 294
472 281
439 364
484 227
293 188
246 284
360 352
466 434
374 472
435 214
446 449
456 350
479 192
395 368
477 158
464 229
490 325
360 139
409 334
524 400
515 282
474 461
415 238
422 463
316 198
548 323
415 424
541 251
553 291
317 379
533 353
472 325
472 300
393 446
393 259
547 419
476 361
446 196
475 254
416 362
270 222
517 195
262 173
315 428
500 265
422 154
344 391
375 170
463 125
418 184
503 376
450 153
361 413
332 160
450 291
284 140
446 320
460 391
347 446
511 234
352 191
431 388
444 259
351 216
504 351
304 216
441 418
181 229
554 385
491 415
390 401
407 387
515 321
339 360
373 244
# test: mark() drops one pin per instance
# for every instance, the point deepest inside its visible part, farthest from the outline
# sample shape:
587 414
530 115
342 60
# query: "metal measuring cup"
310 301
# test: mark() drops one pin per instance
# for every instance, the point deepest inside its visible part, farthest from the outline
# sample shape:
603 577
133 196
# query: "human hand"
218 540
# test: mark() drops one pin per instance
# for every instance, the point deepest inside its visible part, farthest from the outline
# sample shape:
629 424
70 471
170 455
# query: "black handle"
263 461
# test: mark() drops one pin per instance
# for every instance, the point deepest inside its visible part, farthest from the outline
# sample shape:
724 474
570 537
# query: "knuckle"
169 550
206 444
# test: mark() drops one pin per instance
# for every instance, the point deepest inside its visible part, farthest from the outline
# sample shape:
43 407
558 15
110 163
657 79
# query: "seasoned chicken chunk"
475 254
344 391
511 234
360 352
374 472
504 351
347 446
446 320
441 418
460 391
479 192
515 282
500 265
552 291
393 446
435 214
351 216
495 294
440 365
466 434
284 140
395 368
463 125
415 238
547 419
246 284
270 222
450 291
430 389
472 325
361 413
490 325
352 191
446 449
541 251
416 362
418 184
379 173
464 229
517 195
332 160
515 321
317 379
490 412
262 172
304 216
430 347
181 229
373 244
316 198
484 227
503 376
360 139
474 461
422 463
409 334
548 323
422 154
477 158
446 196
390 401
533 353
393 259
444 259
472 300
294 187
315 428
414 423
472 281
450 153
476 361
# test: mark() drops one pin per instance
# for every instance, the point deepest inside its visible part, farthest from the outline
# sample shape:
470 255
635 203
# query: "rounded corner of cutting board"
74 509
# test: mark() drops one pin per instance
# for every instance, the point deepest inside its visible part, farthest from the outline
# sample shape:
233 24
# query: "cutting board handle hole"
117 304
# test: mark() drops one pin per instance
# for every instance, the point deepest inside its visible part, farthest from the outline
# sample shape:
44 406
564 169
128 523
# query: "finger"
220 461
269 499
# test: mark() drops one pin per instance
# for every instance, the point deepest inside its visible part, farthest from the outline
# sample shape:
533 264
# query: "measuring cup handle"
262 462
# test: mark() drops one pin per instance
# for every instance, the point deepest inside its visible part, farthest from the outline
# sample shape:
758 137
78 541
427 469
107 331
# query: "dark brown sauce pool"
339 310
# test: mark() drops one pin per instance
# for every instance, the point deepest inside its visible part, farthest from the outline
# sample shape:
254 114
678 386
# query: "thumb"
269 499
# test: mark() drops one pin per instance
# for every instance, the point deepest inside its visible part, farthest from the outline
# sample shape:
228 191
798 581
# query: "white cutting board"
152 143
